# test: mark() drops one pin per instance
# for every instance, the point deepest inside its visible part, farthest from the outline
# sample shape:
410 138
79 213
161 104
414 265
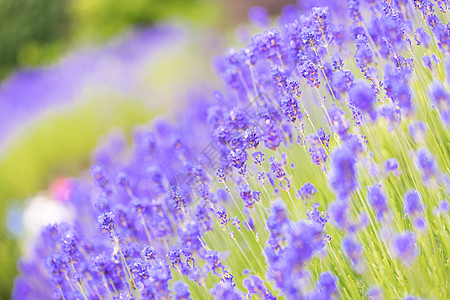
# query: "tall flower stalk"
319 172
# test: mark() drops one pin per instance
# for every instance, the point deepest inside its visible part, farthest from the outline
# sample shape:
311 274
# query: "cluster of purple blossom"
152 225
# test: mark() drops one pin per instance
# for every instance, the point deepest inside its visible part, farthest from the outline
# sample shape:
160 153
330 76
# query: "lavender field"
301 153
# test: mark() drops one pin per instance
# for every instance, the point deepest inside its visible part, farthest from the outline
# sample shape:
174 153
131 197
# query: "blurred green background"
36 32
59 143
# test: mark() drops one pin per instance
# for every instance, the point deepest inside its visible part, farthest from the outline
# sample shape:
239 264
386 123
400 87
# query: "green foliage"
28 24
99 19
36 32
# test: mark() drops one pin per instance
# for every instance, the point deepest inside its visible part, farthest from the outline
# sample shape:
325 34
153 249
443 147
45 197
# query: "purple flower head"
338 63
310 38
318 156
342 81
293 88
190 238
444 206
102 204
391 165
213 261
354 144
291 109
343 180
397 88
225 291
99 175
106 221
412 298
323 136
426 164
57 265
139 269
222 195
272 135
421 37
237 157
258 157
339 124
377 199
245 192
375 293
315 215
363 54
363 98
174 256
427 62
251 138
417 130
203 216
276 168
177 198
338 211
181 291
327 284
307 191
392 115
221 213
279 76
149 253
256 195
420 224
277 223
412 204
221 175
404 247
439 94
255 286
203 191
310 73
352 249
353 10
236 222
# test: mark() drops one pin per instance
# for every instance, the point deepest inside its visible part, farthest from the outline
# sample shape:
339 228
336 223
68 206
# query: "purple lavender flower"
222 215
412 204
426 164
291 109
338 211
444 206
377 199
106 221
181 291
353 251
315 215
404 247
307 191
255 286
258 157
339 124
391 165
224 291
363 98
375 293
343 180
327 284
